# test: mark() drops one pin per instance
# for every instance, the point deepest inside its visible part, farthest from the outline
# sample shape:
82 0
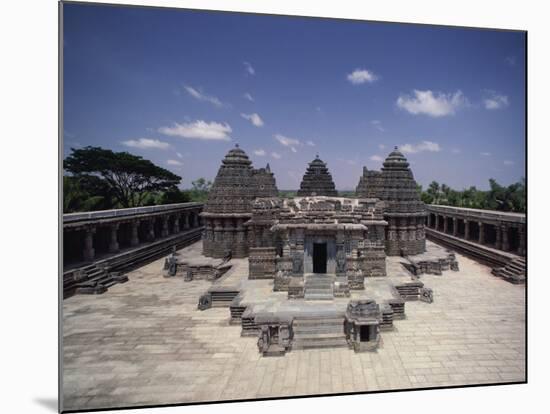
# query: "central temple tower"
317 180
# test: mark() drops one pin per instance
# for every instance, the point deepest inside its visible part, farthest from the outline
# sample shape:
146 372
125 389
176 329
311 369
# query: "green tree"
128 178
433 191
199 191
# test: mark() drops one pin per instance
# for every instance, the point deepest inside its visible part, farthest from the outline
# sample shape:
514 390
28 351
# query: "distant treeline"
511 198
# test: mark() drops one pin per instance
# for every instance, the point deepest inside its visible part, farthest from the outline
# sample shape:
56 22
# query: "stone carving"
275 335
205 301
340 261
426 295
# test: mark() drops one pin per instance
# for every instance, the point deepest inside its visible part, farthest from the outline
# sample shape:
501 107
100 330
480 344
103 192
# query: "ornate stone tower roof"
263 180
398 186
232 191
317 180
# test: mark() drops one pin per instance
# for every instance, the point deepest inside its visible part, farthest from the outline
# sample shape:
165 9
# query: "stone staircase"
513 272
96 280
318 332
319 286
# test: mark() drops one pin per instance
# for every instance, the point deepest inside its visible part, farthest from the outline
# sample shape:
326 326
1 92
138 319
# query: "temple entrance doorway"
319 257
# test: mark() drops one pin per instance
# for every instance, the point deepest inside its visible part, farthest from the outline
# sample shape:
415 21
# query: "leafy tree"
433 191
128 178
84 195
199 190
201 185
174 196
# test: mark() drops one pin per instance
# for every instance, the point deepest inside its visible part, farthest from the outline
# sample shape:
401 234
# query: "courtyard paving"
144 342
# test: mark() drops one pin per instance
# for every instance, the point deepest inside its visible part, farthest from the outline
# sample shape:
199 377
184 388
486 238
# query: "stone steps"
318 332
514 271
318 287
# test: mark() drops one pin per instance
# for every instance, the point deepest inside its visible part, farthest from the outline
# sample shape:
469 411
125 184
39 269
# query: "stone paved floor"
145 342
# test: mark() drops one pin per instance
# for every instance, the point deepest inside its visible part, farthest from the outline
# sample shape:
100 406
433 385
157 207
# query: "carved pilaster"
176 228
481 237
113 242
505 243
134 233
164 229
89 251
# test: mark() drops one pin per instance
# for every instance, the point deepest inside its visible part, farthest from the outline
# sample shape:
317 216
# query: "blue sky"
182 87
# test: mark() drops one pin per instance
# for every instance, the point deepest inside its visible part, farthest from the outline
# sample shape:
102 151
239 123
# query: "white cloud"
175 163
378 125
494 100
424 146
376 158
360 76
249 69
276 155
255 119
432 104
485 154
260 152
248 97
197 94
146 143
210 131
310 143
292 143
456 151
381 146
179 154
508 162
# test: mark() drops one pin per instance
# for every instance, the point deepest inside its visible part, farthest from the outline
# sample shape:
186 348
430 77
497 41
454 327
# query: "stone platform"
145 341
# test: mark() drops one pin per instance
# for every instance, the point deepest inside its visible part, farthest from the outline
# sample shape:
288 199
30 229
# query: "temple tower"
228 206
404 211
264 182
317 180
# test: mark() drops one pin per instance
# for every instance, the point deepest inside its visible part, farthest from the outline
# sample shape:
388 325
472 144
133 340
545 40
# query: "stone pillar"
445 224
521 241
185 221
113 243
164 229
134 233
466 230
151 230
429 220
455 226
481 238
505 244
195 220
437 222
89 251
498 242
176 228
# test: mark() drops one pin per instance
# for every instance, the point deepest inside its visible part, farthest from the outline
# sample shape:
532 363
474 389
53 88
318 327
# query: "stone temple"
316 279
315 249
